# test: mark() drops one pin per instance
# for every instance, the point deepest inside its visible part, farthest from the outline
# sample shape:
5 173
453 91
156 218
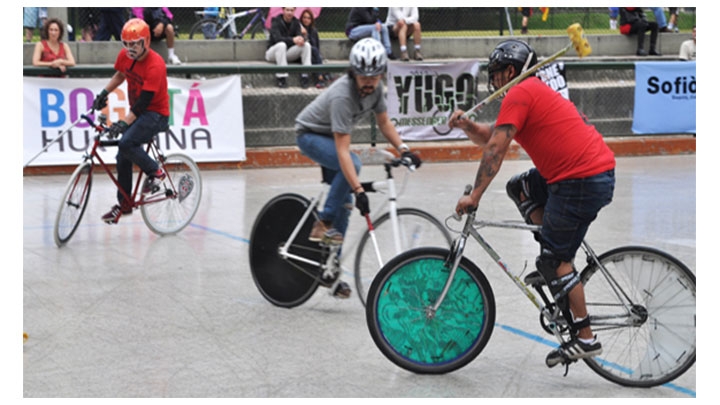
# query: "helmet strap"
527 62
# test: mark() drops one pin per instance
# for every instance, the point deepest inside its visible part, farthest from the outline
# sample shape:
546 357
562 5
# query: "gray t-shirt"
339 108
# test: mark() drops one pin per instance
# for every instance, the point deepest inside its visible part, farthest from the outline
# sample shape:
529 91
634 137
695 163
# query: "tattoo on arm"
491 159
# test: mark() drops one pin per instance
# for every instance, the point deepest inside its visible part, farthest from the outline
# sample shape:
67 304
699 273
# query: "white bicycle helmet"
368 57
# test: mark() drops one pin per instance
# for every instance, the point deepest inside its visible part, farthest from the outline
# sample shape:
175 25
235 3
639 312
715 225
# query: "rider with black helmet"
572 180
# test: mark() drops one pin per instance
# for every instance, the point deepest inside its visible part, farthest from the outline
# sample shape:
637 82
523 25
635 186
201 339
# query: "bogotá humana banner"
206 119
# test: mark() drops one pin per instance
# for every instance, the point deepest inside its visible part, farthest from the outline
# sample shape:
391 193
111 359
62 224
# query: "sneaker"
113 216
342 290
404 56
281 82
418 55
572 351
320 84
152 182
318 231
332 237
304 81
174 60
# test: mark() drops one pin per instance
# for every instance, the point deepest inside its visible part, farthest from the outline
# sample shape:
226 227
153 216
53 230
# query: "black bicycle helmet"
511 52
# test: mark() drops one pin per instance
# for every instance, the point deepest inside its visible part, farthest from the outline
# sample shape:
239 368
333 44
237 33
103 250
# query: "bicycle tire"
181 199
659 344
283 282
418 229
207 28
400 325
73 204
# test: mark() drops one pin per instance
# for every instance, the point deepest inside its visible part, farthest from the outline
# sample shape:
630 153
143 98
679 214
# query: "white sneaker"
174 60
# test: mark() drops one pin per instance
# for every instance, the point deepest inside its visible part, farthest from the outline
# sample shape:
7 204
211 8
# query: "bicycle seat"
534 279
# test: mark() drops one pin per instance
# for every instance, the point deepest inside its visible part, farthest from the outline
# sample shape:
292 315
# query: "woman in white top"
403 23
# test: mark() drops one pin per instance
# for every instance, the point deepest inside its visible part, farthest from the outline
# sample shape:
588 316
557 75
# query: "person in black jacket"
287 44
633 21
310 32
365 22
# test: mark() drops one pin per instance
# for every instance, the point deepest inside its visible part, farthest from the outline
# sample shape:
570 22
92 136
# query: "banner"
206 119
554 76
421 97
664 98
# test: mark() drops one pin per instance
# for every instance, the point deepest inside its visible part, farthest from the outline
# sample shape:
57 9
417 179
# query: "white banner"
421 97
206 118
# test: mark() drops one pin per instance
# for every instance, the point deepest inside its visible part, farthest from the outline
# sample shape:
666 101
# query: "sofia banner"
206 118
664 98
421 97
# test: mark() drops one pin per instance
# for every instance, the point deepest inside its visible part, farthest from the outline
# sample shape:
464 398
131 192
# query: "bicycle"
166 210
287 268
222 24
432 310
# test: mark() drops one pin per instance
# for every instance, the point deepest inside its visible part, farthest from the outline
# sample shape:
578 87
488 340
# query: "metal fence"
436 21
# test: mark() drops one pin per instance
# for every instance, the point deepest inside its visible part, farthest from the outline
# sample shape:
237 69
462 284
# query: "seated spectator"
112 21
159 19
51 51
287 44
310 32
633 21
365 22
687 48
403 23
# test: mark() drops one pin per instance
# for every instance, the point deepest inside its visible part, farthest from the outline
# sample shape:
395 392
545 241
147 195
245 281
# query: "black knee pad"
519 185
547 264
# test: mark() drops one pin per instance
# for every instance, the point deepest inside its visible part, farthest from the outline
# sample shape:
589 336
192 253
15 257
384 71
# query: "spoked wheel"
412 335
73 204
171 209
284 282
207 28
417 228
643 311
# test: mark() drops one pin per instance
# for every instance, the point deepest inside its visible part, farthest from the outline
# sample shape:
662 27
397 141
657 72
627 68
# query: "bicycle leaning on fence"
222 24
432 310
167 209
287 268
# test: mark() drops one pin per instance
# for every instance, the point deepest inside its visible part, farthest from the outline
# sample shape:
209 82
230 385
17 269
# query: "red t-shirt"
148 74
553 133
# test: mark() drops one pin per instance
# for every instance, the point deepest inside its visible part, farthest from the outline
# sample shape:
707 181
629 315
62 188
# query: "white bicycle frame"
230 18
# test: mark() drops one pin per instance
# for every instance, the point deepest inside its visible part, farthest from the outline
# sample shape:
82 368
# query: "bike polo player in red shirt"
146 75
573 178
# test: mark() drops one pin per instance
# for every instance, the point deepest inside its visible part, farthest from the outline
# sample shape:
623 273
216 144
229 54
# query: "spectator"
613 11
310 32
365 22
526 13
287 44
403 23
112 20
33 17
89 19
159 19
672 24
660 19
687 48
633 21
51 51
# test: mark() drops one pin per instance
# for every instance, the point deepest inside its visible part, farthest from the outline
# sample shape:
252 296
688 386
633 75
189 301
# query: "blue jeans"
131 148
339 202
369 30
570 207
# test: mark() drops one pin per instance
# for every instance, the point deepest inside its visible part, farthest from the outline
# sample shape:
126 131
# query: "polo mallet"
577 41
58 137
371 231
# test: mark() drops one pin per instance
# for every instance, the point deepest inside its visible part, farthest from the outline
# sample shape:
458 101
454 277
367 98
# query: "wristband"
103 93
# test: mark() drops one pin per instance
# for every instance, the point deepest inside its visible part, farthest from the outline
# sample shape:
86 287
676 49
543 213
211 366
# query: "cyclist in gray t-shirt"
324 129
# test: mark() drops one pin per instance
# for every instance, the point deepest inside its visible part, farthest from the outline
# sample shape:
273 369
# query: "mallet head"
579 42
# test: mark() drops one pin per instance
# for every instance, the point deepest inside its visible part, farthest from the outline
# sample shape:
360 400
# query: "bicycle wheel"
284 282
409 333
73 204
207 28
644 314
174 210
417 229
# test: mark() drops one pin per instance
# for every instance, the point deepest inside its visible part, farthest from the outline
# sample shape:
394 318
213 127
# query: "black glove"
415 159
362 203
100 100
117 129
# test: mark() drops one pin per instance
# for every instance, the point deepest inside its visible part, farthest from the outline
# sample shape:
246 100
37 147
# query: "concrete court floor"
121 312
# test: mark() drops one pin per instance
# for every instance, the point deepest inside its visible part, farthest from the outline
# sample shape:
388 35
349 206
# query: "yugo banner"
206 118
664 98
421 97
